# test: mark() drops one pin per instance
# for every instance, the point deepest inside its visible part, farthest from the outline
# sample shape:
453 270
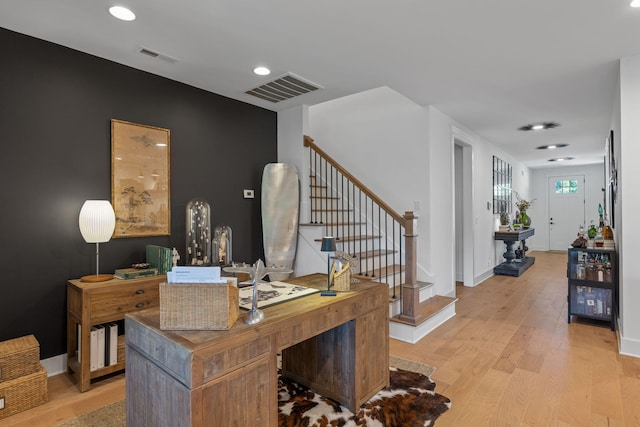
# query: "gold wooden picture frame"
140 191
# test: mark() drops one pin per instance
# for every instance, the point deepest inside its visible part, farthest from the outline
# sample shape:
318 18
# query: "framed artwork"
140 188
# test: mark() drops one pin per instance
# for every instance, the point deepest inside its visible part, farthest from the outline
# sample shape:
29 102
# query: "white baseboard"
626 346
482 277
55 365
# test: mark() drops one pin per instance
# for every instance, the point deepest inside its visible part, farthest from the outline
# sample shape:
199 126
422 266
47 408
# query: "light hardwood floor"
508 358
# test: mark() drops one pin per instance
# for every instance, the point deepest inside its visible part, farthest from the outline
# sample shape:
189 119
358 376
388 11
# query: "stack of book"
104 345
134 273
160 257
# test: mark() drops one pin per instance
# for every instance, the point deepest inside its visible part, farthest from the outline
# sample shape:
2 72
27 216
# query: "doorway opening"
463 209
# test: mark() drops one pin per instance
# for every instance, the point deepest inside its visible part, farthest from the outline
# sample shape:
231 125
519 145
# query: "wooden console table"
337 346
515 263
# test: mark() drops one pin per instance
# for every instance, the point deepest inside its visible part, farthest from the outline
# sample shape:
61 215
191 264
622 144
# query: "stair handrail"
410 294
308 142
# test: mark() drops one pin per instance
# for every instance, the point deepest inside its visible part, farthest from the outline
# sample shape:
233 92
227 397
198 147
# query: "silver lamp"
329 246
97 222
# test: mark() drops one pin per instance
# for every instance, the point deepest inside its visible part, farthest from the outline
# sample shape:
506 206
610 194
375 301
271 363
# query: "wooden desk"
338 346
515 263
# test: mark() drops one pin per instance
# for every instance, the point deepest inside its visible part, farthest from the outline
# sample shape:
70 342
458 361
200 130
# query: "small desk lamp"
97 222
328 245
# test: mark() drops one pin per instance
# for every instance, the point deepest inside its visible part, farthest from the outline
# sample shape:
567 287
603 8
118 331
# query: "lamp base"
94 278
328 293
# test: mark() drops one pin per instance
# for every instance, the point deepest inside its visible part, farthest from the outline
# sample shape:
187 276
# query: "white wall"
292 126
487 251
627 232
594 176
380 137
404 153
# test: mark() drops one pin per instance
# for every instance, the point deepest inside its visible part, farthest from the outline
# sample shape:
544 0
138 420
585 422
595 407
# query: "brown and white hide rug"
409 401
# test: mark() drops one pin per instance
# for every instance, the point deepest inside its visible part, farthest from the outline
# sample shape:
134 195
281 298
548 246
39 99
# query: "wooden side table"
90 304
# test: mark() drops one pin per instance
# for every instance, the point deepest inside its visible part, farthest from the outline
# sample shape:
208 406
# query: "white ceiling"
493 65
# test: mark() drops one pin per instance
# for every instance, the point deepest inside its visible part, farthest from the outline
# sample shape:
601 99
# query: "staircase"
378 240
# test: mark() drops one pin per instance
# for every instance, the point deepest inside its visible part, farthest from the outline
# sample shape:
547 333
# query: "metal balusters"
360 221
393 261
314 189
349 213
386 246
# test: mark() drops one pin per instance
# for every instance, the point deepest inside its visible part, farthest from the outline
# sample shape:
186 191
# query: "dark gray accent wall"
56 105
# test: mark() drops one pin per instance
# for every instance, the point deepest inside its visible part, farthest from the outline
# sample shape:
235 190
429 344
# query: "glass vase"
198 232
525 219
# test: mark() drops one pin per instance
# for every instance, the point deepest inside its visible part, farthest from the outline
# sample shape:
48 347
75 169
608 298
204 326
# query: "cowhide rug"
409 401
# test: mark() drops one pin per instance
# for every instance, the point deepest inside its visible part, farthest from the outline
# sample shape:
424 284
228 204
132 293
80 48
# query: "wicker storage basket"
24 392
18 357
341 279
198 306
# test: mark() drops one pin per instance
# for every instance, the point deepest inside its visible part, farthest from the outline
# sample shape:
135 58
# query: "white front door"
566 210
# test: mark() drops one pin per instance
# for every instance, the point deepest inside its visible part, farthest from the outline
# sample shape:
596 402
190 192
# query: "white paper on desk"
273 293
194 275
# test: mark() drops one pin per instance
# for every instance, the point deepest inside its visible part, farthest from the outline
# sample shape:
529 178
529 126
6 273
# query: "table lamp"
328 245
97 222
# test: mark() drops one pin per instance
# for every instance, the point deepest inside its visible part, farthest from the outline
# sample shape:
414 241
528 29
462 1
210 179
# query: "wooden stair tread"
331 210
371 254
380 272
329 224
428 309
351 239
323 198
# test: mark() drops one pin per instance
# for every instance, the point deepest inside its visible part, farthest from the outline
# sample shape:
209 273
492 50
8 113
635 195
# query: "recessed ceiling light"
561 159
635 3
122 13
262 71
551 147
540 126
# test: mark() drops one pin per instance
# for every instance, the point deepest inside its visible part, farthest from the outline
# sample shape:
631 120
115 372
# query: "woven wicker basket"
341 279
198 306
18 357
24 392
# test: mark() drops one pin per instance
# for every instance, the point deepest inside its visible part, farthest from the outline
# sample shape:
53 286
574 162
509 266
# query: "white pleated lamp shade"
97 221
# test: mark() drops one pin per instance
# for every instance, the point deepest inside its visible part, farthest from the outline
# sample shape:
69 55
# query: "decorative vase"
505 218
525 219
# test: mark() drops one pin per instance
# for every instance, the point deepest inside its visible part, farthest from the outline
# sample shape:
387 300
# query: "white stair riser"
413 334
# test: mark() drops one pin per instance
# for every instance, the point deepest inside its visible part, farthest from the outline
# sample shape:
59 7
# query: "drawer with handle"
119 300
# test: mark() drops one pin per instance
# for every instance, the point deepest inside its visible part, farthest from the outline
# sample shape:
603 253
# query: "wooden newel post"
410 289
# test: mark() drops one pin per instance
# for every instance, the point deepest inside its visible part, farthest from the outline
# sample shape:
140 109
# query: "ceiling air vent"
158 55
284 87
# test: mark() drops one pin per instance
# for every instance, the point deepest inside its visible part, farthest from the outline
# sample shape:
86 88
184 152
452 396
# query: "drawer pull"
140 291
140 305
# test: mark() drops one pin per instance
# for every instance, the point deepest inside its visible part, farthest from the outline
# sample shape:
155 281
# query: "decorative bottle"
222 240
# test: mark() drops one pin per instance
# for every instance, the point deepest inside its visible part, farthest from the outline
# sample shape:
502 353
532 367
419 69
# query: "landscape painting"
140 179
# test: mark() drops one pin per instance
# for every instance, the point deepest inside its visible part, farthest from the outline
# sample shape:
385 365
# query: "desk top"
514 235
285 324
